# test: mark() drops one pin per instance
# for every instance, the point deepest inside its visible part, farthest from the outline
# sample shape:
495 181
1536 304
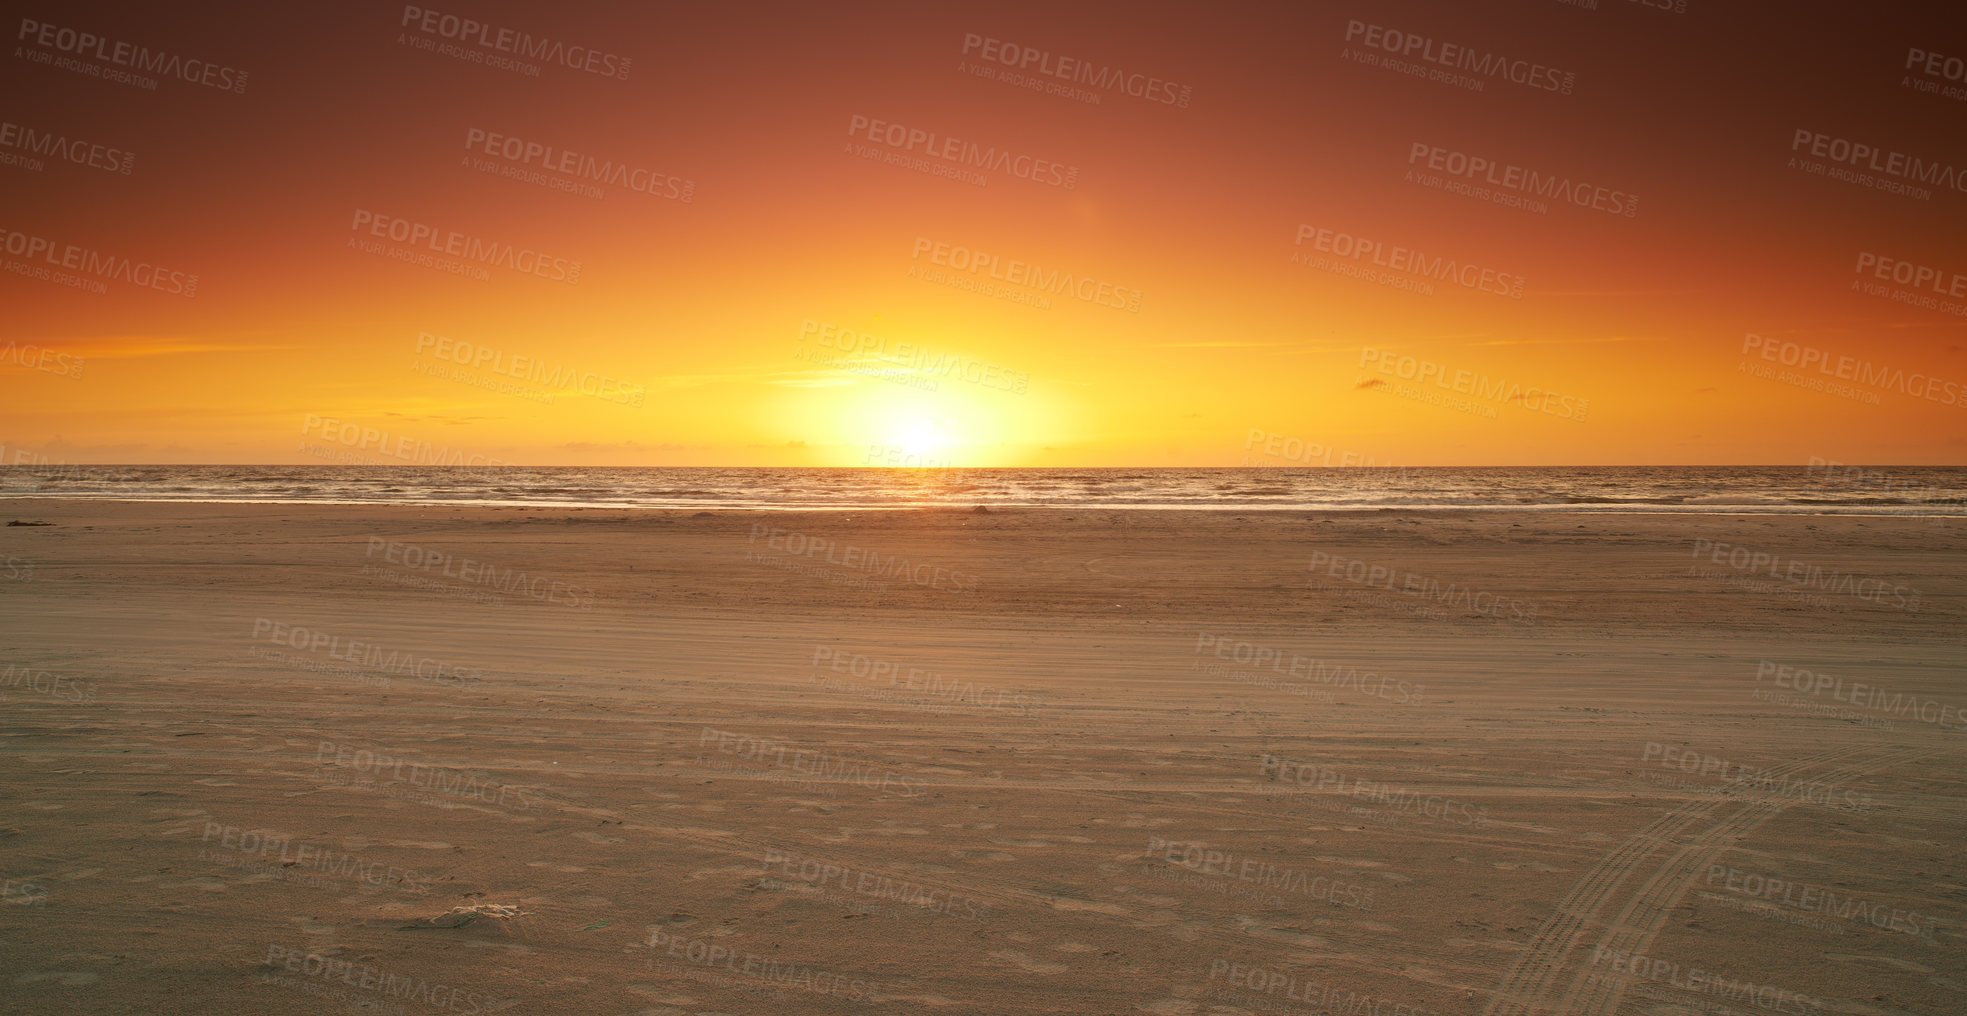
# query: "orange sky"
803 307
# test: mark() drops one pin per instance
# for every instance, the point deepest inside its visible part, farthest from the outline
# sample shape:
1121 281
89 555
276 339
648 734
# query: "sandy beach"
1014 761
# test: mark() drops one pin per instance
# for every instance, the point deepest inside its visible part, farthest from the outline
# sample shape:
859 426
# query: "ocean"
1833 489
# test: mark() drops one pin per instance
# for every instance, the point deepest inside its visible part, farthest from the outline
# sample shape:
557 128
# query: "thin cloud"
1225 344
1570 341
1619 292
442 418
129 347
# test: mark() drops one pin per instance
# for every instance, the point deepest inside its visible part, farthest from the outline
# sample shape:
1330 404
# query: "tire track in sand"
1537 966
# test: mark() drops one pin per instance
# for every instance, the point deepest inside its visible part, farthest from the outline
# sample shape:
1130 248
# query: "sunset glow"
782 240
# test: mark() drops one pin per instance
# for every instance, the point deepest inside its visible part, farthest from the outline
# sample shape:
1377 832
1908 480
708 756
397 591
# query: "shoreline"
994 506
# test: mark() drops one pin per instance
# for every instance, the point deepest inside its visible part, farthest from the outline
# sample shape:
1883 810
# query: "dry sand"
1063 762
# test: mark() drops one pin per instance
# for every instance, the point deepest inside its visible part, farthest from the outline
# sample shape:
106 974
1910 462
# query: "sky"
1141 234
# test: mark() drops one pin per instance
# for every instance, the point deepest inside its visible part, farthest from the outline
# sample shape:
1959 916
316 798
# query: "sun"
961 426
923 441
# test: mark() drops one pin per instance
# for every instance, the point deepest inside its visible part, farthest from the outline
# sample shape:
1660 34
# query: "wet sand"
1081 761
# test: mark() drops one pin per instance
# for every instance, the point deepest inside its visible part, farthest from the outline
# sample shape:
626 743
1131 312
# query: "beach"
949 760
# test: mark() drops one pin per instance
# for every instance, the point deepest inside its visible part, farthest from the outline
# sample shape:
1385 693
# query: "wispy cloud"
441 418
1222 344
128 347
1571 341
